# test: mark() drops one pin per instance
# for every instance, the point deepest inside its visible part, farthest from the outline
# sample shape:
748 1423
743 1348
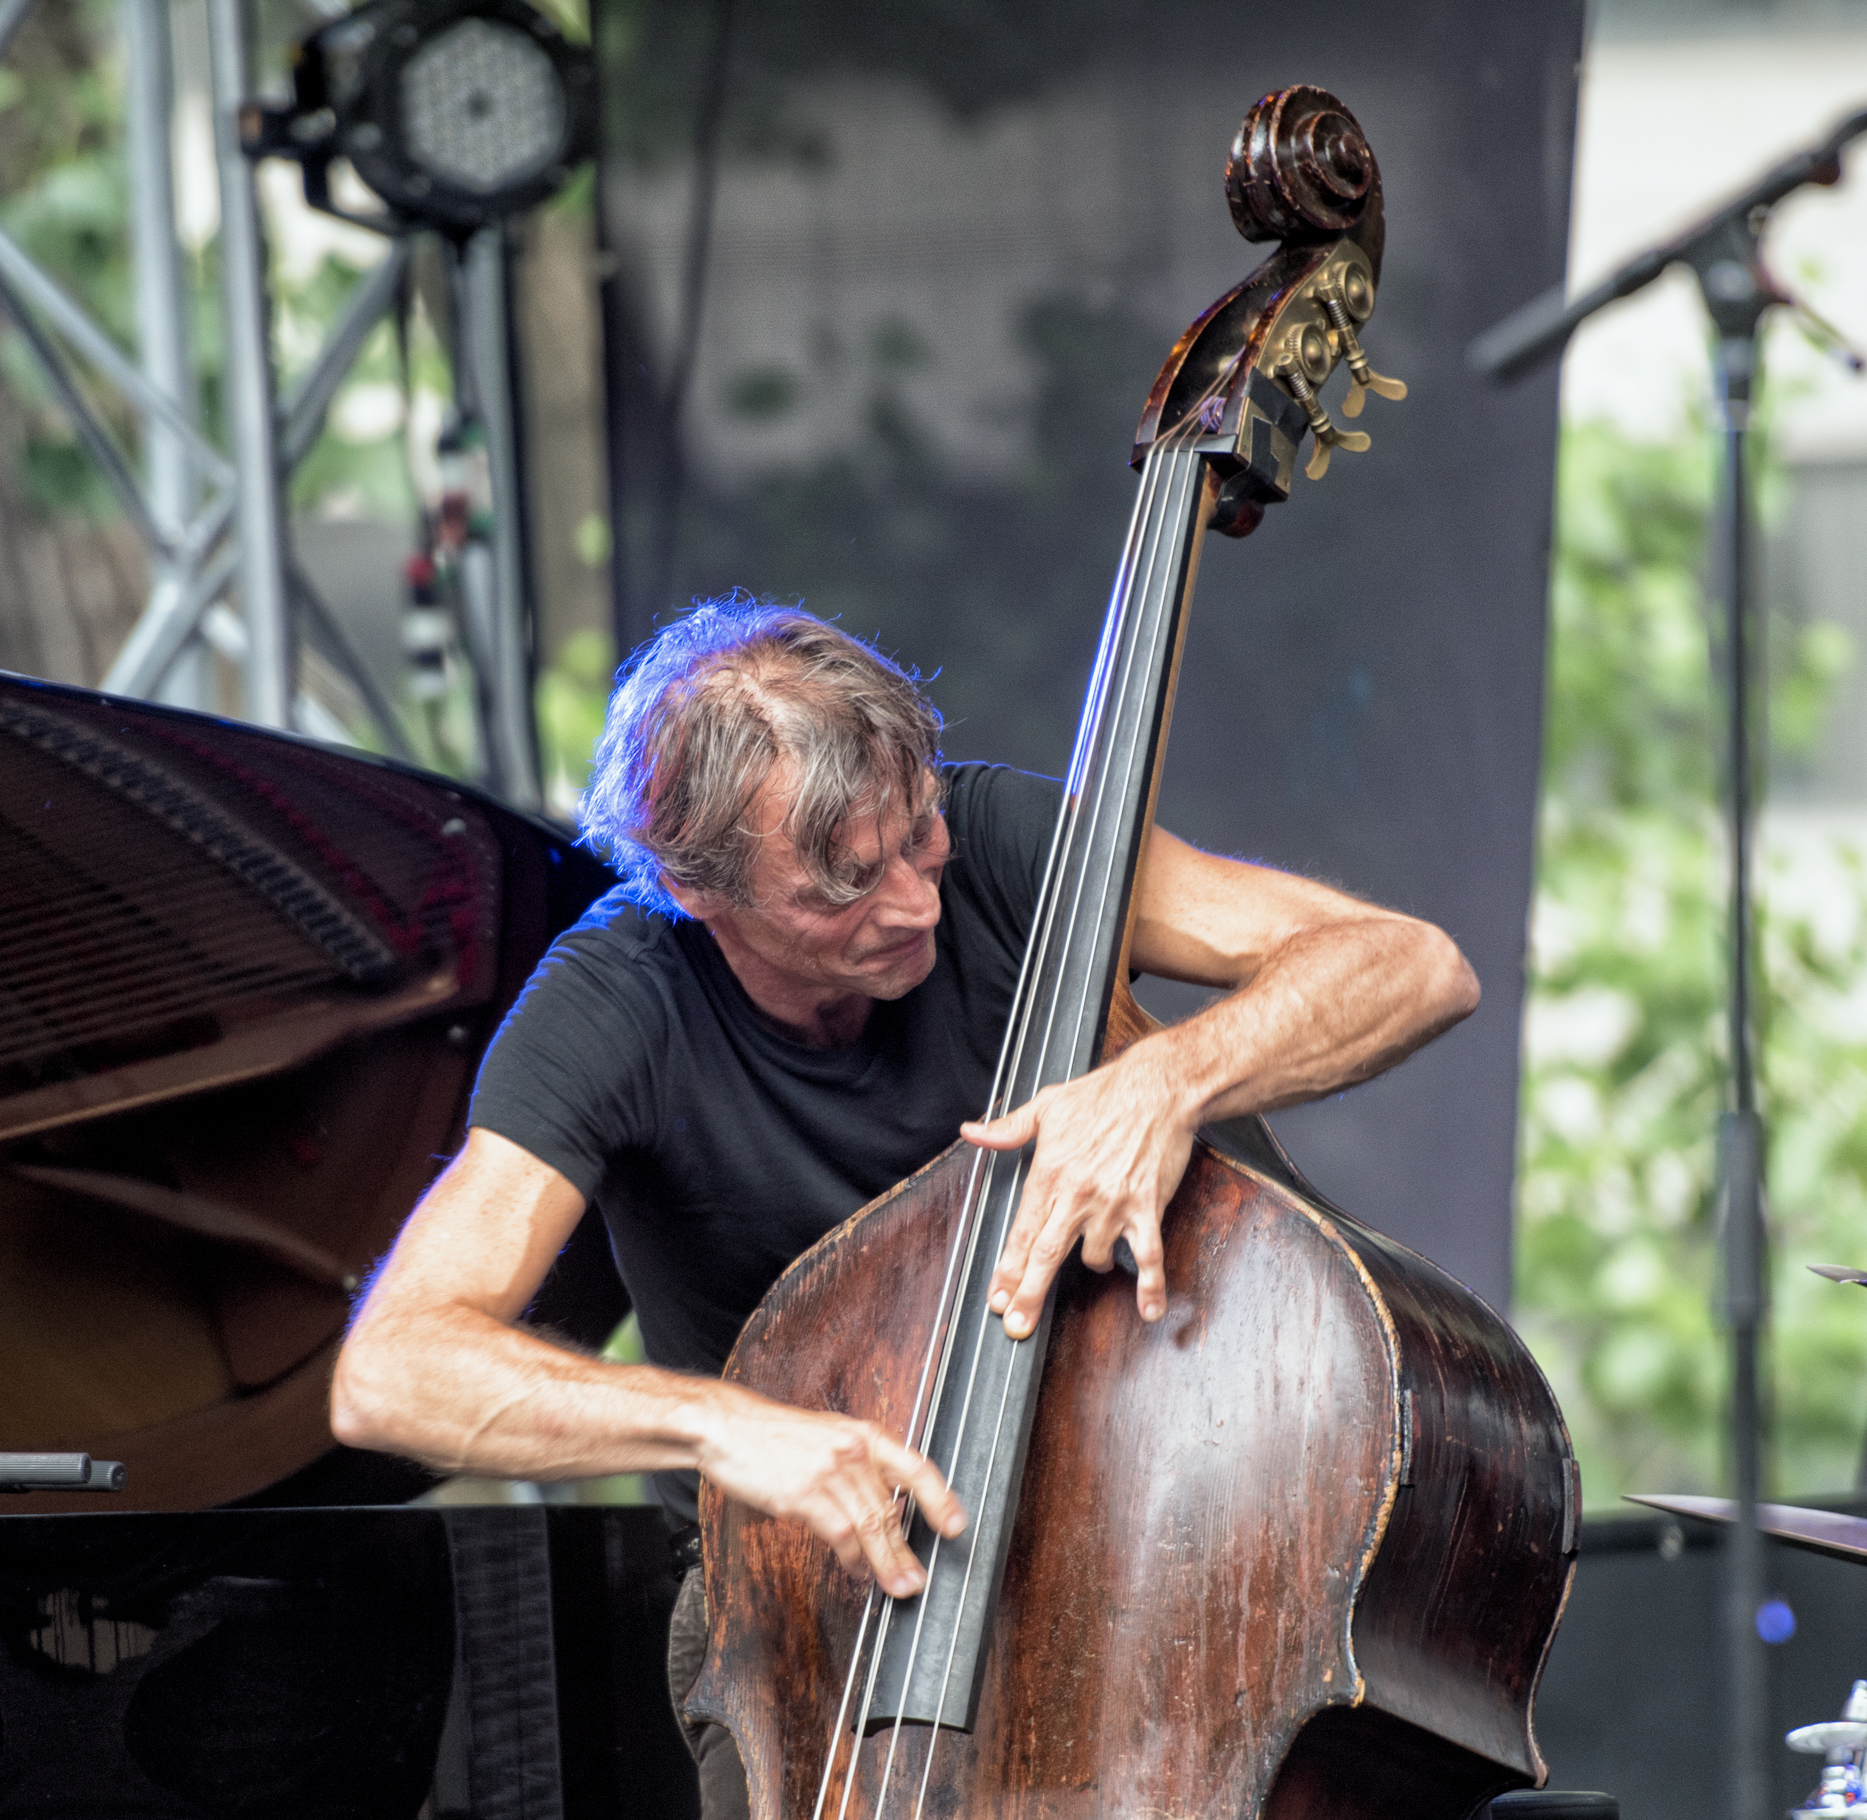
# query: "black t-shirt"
718 1150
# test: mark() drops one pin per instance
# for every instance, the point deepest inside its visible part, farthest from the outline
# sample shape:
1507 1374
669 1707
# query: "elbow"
362 1406
1453 989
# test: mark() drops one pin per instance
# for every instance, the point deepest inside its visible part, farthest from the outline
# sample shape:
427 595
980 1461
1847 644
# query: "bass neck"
984 1397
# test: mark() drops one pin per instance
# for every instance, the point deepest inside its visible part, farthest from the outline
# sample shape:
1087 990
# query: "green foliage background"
1625 1044
65 198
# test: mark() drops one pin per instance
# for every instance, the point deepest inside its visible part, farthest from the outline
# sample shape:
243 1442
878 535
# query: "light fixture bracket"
456 113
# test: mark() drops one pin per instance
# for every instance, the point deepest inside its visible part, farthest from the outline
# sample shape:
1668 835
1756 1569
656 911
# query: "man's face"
790 940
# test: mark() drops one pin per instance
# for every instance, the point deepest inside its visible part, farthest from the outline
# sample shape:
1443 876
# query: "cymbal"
1831 1734
1828 1532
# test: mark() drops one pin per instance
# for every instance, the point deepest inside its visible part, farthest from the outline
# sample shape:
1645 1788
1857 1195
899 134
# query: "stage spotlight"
455 112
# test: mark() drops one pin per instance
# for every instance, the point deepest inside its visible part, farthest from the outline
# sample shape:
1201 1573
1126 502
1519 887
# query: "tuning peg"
1363 379
1366 381
1326 434
1354 441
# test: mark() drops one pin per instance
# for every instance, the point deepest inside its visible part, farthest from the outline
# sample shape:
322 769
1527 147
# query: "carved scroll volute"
1242 384
1299 168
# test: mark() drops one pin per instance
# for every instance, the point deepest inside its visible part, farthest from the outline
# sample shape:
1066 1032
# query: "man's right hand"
833 1473
434 1368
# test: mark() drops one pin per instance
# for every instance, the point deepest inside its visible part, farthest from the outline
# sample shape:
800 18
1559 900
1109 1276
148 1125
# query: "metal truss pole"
1729 270
192 560
252 435
485 339
169 470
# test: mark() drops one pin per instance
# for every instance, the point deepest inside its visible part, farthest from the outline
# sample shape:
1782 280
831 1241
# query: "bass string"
940 1344
1175 442
946 1670
980 1184
1010 1062
1161 476
964 1247
1172 482
1111 628
1153 607
1159 608
1018 1039
1011 1047
965 1243
968 1229
1108 776
842 1709
1012 1050
960 1262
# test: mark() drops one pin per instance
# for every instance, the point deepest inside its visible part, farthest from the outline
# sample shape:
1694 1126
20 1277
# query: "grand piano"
245 981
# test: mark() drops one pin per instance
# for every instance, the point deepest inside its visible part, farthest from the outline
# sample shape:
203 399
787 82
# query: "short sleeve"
569 1076
1002 822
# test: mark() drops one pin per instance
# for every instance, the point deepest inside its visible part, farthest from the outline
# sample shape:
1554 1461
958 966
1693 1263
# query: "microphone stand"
1723 253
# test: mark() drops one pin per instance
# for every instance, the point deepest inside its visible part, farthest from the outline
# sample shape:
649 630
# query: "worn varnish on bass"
1298 1549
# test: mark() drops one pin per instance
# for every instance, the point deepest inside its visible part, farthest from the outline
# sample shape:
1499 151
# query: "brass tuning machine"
1344 305
1304 367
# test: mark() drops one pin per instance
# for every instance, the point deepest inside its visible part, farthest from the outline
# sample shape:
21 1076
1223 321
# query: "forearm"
464 1392
1324 992
1332 1007
433 1368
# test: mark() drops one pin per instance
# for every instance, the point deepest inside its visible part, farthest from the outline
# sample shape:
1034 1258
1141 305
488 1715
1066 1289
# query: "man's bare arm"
1324 991
433 1368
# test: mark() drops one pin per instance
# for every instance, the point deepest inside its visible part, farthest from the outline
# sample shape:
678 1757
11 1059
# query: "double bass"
1298 1549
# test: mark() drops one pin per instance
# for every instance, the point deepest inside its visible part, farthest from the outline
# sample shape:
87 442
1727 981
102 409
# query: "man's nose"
912 898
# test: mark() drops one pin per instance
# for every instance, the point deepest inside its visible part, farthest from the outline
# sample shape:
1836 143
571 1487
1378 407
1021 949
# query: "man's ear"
700 905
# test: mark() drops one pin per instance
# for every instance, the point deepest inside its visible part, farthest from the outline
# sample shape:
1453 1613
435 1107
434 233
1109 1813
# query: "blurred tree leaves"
1625 1043
64 199
65 196
569 701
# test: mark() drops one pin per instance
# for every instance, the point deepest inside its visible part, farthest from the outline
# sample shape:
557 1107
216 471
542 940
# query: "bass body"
1304 1540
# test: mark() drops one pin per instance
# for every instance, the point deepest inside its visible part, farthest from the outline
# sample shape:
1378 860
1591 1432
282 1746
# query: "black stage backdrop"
884 290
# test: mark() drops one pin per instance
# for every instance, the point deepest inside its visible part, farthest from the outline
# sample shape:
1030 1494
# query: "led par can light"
455 112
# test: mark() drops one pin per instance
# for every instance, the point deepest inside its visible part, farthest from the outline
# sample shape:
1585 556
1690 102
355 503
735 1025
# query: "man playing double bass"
794 999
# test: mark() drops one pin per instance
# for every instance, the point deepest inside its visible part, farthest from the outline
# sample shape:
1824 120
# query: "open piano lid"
245 981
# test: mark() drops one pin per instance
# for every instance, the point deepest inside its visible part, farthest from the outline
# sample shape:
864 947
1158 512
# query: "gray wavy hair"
705 711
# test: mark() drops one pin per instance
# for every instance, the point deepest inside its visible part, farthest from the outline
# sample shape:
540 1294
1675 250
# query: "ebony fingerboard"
932 1649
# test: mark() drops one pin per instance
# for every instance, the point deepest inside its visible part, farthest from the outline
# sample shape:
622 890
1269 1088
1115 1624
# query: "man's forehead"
860 835
771 808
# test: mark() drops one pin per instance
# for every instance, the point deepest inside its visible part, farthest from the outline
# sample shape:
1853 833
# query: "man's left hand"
1112 1146
1321 991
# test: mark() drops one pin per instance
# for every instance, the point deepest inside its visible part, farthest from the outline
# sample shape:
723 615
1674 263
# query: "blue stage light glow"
1776 1623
